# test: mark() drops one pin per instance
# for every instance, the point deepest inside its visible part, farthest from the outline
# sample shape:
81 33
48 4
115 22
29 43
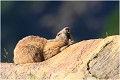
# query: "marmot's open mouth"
70 40
68 35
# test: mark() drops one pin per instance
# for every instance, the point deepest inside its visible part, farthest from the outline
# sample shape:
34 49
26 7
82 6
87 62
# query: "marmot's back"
29 49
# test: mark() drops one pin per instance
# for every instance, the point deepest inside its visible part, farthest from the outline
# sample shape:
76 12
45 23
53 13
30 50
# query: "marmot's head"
64 35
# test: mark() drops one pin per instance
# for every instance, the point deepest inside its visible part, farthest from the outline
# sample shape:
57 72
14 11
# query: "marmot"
37 49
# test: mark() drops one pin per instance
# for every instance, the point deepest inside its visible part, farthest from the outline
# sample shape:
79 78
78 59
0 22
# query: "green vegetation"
6 55
112 24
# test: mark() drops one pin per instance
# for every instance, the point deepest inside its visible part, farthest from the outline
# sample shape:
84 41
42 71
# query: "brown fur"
29 49
36 49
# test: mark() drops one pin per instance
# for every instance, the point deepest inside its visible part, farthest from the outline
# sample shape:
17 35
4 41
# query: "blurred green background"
87 20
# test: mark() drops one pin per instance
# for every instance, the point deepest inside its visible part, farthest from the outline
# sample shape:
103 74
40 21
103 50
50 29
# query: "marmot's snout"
67 29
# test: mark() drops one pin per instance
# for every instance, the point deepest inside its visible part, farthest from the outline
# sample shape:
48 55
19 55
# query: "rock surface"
89 59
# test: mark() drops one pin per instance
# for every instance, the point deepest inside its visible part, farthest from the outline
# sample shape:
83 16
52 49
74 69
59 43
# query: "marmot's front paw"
70 42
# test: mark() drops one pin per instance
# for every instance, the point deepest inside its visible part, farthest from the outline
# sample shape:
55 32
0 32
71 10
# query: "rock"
89 59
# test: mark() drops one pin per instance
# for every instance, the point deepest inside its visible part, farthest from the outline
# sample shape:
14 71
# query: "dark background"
87 20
